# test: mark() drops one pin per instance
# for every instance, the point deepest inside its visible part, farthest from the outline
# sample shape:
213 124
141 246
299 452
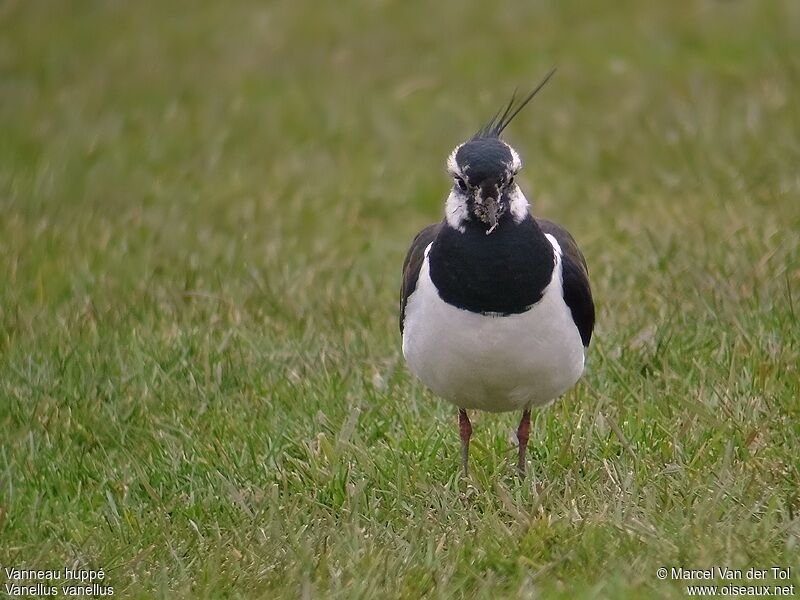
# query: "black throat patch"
503 273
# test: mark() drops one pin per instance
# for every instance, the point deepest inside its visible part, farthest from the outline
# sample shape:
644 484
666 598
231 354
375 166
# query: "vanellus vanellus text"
496 312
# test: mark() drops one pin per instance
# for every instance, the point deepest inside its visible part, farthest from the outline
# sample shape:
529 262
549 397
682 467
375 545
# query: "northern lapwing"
496 311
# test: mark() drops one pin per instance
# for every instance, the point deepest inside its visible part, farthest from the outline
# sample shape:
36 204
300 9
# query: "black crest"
503 117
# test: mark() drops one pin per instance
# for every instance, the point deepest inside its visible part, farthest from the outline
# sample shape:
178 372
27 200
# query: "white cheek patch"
456 211
519 205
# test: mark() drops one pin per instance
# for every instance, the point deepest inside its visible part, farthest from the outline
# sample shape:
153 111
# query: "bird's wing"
575 275
413 263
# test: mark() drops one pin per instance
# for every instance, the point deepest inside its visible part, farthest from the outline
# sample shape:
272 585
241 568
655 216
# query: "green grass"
203 213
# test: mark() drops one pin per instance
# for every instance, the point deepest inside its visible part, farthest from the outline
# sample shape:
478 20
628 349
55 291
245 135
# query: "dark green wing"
575 274
413 264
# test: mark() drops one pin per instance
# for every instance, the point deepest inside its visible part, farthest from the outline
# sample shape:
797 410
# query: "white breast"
494 363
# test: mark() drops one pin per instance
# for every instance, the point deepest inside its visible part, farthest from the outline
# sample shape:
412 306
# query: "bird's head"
483 170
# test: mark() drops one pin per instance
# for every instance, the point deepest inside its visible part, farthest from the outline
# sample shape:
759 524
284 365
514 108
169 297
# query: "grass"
203 212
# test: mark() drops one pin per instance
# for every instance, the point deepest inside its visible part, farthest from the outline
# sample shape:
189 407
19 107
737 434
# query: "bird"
496 310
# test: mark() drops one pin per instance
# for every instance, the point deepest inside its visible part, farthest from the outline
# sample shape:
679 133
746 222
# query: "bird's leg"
465 428
523 431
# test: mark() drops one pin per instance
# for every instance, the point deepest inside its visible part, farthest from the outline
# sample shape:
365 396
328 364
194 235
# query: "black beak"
491 214
486 199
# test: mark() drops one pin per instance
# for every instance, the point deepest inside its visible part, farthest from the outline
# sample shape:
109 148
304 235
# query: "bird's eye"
461 183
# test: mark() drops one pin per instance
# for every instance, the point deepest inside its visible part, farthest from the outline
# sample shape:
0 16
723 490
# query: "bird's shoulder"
413 264
575 279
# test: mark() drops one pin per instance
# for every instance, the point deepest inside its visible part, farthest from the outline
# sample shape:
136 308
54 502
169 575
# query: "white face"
485 200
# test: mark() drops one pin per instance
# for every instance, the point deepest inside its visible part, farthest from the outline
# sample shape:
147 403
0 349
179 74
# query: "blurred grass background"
204 208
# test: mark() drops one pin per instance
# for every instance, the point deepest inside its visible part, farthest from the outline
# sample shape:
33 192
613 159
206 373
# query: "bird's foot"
465 430
523 433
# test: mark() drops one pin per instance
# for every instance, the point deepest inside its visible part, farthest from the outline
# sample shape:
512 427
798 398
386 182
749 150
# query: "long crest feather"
504 116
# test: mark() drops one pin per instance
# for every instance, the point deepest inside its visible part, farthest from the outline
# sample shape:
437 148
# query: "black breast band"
503 273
